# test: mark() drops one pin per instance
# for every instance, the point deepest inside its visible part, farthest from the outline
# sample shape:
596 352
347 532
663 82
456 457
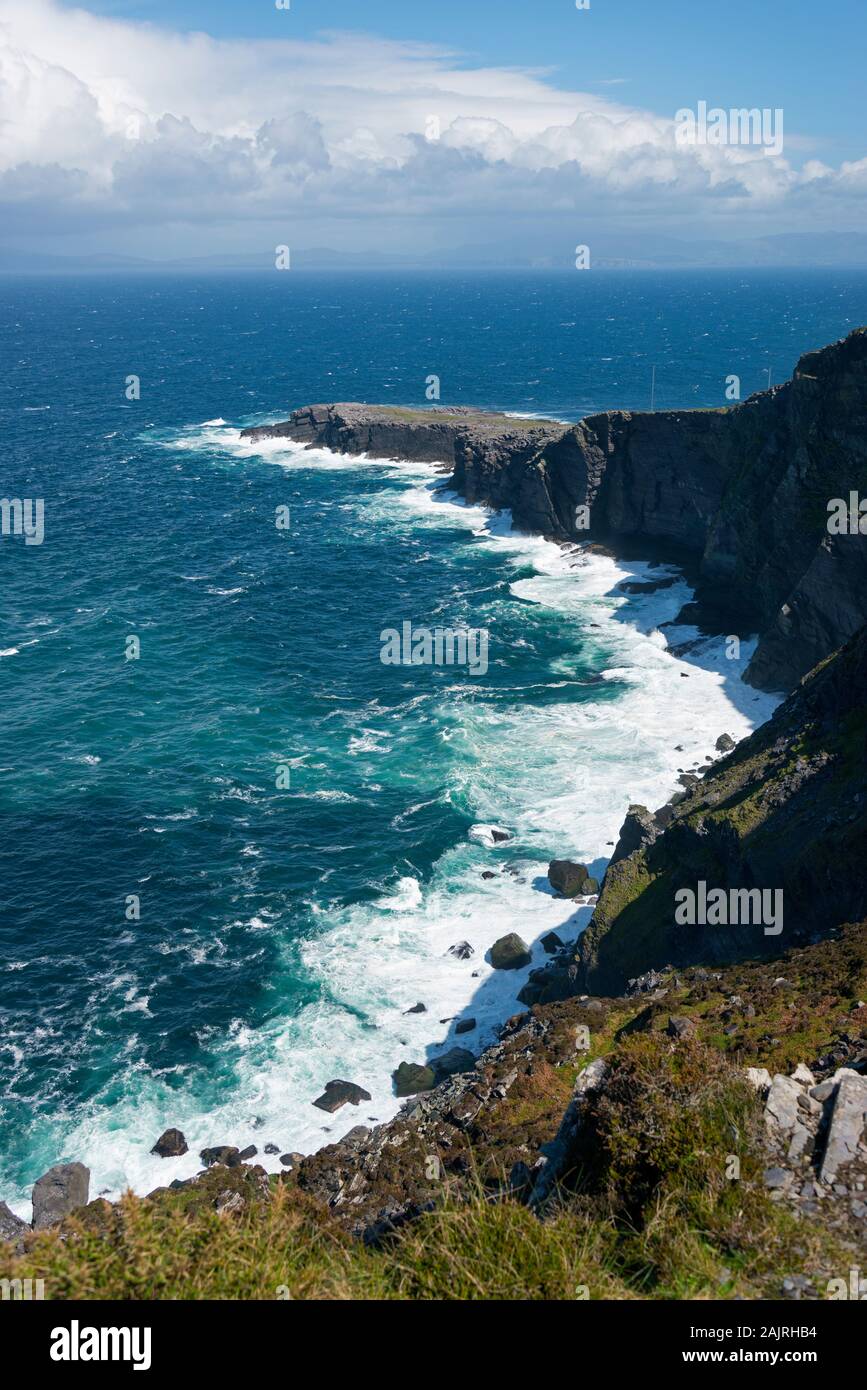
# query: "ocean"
233 861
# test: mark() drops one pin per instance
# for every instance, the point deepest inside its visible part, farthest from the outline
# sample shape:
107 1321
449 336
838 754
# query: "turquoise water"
284 930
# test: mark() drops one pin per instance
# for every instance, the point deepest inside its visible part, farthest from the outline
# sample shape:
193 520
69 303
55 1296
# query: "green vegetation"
650 1208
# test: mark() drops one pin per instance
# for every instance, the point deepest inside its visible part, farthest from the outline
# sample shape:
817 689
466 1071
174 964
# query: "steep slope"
787 810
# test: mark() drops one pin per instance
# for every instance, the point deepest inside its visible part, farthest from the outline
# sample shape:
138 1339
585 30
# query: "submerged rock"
58 1192
171 1144
462 949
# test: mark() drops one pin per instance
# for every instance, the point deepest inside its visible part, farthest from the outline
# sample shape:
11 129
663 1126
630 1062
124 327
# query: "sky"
168 128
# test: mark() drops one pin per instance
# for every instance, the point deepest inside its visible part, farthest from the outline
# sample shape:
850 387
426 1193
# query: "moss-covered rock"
510 953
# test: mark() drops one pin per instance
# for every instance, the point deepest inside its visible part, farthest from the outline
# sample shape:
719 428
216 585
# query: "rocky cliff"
785 812
742 491
437 435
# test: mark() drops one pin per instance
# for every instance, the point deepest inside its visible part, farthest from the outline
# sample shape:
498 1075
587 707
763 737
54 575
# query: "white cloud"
130 125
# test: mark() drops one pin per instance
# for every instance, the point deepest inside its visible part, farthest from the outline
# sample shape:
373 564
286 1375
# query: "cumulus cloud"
129 125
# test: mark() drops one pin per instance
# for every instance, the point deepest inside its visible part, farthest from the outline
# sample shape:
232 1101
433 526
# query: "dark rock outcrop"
226 1154
640 828
338 1093
171 1144
58 1192
453 1062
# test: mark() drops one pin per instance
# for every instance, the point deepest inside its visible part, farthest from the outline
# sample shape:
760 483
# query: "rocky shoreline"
527 1119
739 493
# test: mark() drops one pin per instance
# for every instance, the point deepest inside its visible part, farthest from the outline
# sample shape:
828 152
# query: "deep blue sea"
284 930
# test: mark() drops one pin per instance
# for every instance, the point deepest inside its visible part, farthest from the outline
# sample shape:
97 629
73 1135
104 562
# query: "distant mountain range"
801 250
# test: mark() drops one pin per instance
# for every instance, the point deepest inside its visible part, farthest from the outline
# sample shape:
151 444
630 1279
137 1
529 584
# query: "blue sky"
806 56
184 128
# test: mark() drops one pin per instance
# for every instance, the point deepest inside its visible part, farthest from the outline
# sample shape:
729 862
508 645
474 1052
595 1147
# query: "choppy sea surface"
283 931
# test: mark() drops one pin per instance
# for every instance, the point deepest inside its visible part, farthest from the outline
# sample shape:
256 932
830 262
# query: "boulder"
416 1009
226 1154
801 1144
803 1074
552 943
338 1093
680 1027
456 1060
410 1078
823 1091
171 1144
58 1192
272 1149
566 877
591 887
246 1154
500 836
759 1078
725 743
847 1125
356 1135
510 953
466 1025
291 1160
781 1106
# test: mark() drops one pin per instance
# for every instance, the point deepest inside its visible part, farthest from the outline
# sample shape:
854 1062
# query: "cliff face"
787 811
744 491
